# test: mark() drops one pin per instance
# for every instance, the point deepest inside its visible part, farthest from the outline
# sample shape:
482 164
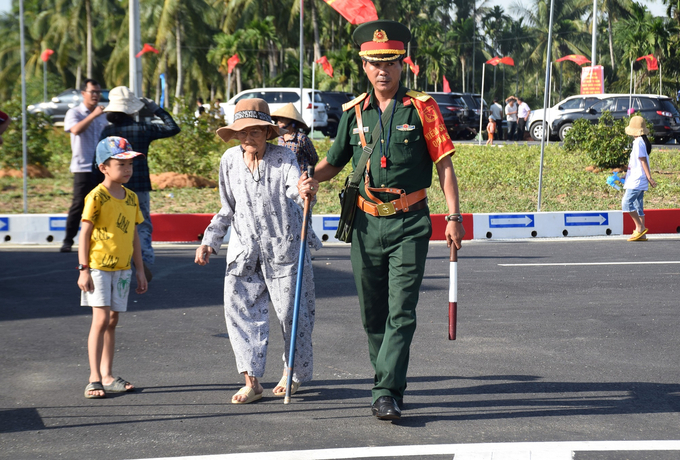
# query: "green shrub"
37 138
605 142
195 150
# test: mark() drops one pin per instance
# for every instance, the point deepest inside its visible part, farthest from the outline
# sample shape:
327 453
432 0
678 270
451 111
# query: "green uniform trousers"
388 259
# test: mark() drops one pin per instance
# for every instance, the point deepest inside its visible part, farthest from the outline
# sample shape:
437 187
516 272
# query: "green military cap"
382 40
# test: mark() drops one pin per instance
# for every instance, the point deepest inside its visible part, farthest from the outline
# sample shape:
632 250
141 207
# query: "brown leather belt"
405 203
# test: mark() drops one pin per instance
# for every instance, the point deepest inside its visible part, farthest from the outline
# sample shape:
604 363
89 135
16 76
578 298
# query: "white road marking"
562 264
497 451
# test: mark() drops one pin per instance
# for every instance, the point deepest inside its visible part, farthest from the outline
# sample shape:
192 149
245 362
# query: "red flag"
577 58
45 55
355 11
447 88
231 63
145 49
414 68
327 67
652 63
499 60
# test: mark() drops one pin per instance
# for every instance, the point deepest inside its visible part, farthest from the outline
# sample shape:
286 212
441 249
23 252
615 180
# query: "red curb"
656 220
179 227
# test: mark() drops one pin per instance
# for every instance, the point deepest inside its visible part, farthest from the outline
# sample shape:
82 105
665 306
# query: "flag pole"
545 102
630 91
302 57
481 104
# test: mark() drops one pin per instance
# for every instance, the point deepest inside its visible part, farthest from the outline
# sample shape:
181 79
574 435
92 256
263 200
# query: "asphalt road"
569 340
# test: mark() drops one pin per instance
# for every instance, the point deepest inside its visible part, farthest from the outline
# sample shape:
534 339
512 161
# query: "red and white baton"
453 291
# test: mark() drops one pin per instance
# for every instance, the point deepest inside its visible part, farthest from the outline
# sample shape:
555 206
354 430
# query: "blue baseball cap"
115 147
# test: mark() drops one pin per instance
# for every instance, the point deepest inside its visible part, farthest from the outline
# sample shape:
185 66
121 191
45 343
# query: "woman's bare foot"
251 382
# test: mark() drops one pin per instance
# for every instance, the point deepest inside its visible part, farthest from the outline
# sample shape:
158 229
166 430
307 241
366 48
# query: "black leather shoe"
66 247
386 408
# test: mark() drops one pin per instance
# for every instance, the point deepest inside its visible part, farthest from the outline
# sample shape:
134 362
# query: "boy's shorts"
111 289
633 201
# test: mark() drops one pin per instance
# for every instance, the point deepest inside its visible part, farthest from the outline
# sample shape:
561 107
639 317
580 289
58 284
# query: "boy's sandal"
282 383
119 385
249 393
94 386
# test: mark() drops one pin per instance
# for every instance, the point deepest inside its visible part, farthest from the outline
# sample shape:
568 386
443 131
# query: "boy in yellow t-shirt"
108 241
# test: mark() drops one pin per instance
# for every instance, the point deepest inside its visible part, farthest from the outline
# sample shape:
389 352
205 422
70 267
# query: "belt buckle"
386 209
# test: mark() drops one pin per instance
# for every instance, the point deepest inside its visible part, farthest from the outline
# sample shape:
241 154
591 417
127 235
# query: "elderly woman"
290 122
262 193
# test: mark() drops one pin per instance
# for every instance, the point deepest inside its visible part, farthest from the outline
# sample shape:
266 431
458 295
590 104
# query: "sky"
655 6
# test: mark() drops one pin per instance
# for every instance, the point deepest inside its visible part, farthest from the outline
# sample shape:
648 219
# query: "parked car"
277 98
569 105
56 109
460 112
334 101
658 110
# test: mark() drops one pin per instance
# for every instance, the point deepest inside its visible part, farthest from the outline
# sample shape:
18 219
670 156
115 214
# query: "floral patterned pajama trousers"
247 302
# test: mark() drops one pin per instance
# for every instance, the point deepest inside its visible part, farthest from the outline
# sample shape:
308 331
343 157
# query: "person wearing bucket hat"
290 121
638 177
108 242
404 134
262 194
123 105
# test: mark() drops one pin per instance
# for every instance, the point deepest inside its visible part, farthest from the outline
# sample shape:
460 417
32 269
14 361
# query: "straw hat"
290 112
122 99
249 113
637 126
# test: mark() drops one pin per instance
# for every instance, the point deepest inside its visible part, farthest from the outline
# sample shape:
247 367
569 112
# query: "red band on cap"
388 45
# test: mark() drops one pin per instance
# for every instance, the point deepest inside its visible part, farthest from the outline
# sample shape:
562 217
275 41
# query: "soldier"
392 226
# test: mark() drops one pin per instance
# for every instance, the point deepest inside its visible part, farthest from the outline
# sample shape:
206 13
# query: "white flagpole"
481 104
630 92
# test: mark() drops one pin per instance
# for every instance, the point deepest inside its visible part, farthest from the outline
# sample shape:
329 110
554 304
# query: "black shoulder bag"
350 193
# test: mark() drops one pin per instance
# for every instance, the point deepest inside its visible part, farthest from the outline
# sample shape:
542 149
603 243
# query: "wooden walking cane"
298 290
453 291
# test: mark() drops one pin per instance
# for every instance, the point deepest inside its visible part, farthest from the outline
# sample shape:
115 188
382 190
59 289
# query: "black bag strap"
368 149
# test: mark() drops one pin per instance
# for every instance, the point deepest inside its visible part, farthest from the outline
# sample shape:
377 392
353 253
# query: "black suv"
334 101
658 110
460 112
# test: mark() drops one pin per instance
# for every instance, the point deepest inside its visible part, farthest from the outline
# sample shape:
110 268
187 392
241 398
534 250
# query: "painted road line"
510 221
586 218
576 264
495 451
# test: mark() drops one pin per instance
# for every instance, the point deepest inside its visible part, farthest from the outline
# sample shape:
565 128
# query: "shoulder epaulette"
423 97
348 105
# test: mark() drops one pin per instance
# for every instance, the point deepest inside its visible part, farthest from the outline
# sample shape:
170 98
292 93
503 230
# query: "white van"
277 98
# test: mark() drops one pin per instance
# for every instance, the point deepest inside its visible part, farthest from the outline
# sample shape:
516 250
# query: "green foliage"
37 130
195 150
605 142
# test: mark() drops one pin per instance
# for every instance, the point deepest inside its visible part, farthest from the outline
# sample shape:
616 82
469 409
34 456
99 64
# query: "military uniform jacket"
408 148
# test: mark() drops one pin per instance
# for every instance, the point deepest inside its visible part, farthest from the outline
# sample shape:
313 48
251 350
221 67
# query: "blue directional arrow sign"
57 223
511 220
4 224
586 218
330 223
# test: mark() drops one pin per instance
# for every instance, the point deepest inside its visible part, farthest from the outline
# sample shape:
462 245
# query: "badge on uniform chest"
356 130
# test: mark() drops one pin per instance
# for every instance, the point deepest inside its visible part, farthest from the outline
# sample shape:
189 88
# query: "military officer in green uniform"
392 226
